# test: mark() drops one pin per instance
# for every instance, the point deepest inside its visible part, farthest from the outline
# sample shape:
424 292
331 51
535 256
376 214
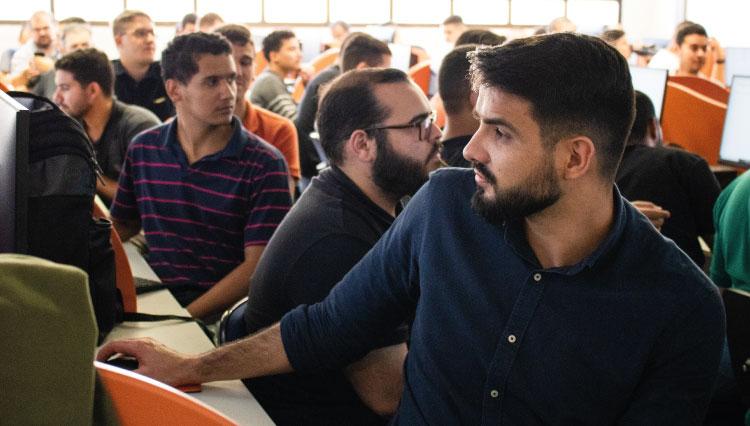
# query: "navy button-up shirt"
630 334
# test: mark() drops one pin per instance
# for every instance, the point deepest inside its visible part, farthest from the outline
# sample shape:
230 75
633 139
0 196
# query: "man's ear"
361 146
174 89
92 90
118 40
577 155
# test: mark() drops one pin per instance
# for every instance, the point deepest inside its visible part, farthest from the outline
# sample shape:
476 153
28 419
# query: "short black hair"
179 61
689 29
483 37
236 34
348 103
576 84
454 85
361 47
453 19
190 18
273 42
644 114
89 66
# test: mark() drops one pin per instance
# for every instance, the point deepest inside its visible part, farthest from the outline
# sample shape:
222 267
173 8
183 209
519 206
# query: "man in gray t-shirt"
85 86
284 55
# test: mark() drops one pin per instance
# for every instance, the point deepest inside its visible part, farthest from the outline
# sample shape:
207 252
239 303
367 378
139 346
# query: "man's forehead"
403 99
139 22
214 65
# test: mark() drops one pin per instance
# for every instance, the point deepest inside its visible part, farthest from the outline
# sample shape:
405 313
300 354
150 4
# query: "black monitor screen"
735 140
653 83
14 137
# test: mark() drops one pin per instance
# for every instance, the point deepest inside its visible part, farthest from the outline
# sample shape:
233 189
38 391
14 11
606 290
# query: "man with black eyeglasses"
137 76
381 149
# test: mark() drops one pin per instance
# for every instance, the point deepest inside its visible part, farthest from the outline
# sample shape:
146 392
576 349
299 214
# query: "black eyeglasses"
424 125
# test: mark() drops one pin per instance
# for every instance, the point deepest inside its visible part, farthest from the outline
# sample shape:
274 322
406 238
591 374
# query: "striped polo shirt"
199 217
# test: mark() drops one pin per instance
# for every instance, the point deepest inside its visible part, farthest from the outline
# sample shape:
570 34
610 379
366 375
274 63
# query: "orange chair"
141 401
260 63
437 105
123 273
420 73
693 120
323 61
703 86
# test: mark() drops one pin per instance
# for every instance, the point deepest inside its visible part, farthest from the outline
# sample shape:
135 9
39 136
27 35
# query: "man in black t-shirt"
676 180
381 150
84 80
137 76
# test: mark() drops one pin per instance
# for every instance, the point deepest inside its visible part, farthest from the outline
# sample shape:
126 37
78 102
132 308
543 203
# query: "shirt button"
494 393
537 277
511 339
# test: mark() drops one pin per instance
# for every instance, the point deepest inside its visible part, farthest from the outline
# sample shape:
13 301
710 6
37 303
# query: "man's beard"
396 174
536 193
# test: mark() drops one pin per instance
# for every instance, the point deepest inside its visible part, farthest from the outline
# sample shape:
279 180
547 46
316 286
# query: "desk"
230 397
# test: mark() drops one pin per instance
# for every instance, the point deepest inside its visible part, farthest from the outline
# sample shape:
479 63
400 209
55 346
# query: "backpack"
62 184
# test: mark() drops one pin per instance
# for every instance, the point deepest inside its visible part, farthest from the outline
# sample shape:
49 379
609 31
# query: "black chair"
232 324
737 305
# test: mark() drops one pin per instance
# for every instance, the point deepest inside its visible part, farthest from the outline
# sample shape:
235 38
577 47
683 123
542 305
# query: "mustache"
484 171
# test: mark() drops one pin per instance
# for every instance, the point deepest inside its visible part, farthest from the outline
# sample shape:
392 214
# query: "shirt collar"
154 70
233 149
516 239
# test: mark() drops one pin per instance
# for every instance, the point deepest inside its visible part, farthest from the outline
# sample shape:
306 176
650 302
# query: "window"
420 11
105 10
22 11
535 12
232 10
162 10
296 11
353 12
482 12
593 15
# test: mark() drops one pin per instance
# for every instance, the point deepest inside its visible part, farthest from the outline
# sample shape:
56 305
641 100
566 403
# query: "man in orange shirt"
273 128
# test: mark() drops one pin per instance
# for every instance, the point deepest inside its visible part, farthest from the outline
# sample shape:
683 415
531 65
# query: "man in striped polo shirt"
208 194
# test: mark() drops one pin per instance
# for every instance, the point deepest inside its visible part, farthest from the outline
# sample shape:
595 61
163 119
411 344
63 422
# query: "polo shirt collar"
154 70
516 239
233 149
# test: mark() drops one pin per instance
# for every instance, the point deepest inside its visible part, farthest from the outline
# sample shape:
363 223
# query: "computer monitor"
738 62
735 140
400 56
14 166
652 82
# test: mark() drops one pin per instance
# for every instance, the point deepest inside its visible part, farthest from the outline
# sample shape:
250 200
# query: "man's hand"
154 360
654 213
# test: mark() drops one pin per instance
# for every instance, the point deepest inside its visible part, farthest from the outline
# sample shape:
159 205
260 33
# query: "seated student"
37 55
207 193
74 36
209 22
453 27
137 76
692 49
358 51
284 55
729 261
459 101
273 128
85 80
676 180
337 220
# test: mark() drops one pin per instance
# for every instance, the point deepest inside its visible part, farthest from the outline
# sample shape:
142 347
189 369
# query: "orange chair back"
141 401
420 73
703 86
123 273
260 62
323 61
437 105
693 120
